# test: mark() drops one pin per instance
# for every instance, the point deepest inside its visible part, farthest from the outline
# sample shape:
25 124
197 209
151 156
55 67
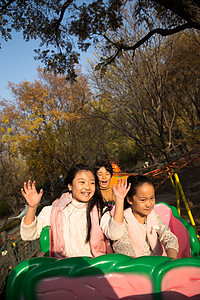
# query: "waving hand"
30 194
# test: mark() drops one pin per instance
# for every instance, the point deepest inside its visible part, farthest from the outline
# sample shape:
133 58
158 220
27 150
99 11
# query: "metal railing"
13 250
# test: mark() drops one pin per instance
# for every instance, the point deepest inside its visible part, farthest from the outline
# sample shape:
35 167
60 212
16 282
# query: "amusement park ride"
169 171
116 276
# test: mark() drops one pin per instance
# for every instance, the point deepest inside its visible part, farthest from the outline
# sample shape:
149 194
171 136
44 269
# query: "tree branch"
161 31
188 10
64 7
5 6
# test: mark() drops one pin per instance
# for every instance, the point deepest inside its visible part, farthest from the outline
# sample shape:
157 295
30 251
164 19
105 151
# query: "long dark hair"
95 200
136 181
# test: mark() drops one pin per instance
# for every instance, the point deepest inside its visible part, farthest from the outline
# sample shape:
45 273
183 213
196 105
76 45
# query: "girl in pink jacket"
75 218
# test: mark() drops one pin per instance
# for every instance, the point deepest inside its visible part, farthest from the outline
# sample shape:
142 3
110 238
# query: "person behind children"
74 217
144 233
104 173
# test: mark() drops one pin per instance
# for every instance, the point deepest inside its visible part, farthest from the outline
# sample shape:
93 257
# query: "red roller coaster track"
174 166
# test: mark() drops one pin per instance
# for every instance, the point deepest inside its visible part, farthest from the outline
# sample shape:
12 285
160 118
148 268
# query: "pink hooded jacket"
98 243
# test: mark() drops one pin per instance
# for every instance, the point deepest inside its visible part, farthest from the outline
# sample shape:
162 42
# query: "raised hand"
120 193
121 190
30 194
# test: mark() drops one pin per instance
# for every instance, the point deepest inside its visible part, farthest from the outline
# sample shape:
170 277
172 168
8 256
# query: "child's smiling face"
83 186
104 177
143 201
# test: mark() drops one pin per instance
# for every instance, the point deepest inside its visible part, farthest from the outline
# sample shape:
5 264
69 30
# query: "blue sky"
17 63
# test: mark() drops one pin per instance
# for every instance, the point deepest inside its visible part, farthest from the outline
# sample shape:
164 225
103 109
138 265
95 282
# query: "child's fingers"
129 186
29 185
120 181
125 183
33 186
22 191
114 186
25 187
